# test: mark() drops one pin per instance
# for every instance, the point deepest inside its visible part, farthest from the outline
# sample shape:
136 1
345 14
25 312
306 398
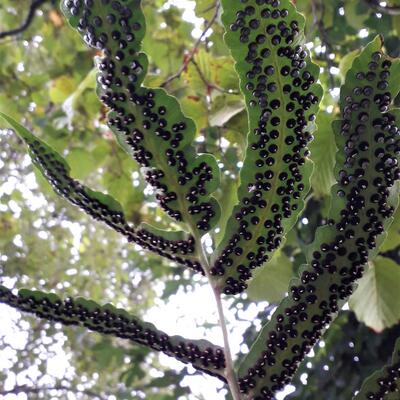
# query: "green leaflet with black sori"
363 203
110 320
148 123
279 83
383 384
177 246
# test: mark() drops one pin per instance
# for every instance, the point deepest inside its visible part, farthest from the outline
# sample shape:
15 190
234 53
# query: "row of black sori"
77 194
387 382
341 248
148 120
278 80
110 321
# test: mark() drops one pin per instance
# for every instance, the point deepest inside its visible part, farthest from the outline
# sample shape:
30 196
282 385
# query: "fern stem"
230 374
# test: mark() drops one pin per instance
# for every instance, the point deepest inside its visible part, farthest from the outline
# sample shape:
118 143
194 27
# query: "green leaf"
7 106
282 98
106 355
383 384
346 63
362 208
323 150
229 200
392 240
110 320
101 206
148 123
356 13
270 283
70 104
195 107
376 301
132 374
226 113
61 88
81 161
205 8
224 74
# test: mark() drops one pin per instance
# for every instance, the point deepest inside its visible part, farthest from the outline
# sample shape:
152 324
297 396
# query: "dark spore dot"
265 53
269 70
271 29
254 23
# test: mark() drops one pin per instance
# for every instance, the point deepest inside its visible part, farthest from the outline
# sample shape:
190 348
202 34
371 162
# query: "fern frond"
279 83
363 203
148 123
117 322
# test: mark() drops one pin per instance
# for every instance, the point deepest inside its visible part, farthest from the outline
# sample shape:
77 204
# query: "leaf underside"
177 246
148 123
364 200
278 81
383 384
110 320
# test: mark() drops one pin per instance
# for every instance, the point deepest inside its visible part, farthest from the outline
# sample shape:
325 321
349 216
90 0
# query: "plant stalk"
230 374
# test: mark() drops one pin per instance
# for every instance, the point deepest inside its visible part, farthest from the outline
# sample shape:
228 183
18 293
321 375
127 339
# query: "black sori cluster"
367 169
384 383
109 320
57 174
148 121
279 82
282 96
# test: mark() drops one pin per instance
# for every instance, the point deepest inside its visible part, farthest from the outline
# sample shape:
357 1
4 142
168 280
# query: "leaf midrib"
160 162
248 245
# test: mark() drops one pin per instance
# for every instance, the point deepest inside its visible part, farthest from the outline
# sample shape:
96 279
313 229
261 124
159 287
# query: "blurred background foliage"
47 82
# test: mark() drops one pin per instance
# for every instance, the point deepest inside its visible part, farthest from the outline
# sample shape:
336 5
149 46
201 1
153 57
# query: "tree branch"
28 21
389 10
230 374
192 52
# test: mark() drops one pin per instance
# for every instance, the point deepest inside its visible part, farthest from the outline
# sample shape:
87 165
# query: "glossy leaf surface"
383 384
174 245
364 200
114 321
278 81
148 123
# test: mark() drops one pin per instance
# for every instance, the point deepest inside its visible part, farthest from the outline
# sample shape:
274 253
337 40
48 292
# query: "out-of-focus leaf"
346 62
70 103
205 8
376 301
356 13
81 162
224 114
61 88
195 107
